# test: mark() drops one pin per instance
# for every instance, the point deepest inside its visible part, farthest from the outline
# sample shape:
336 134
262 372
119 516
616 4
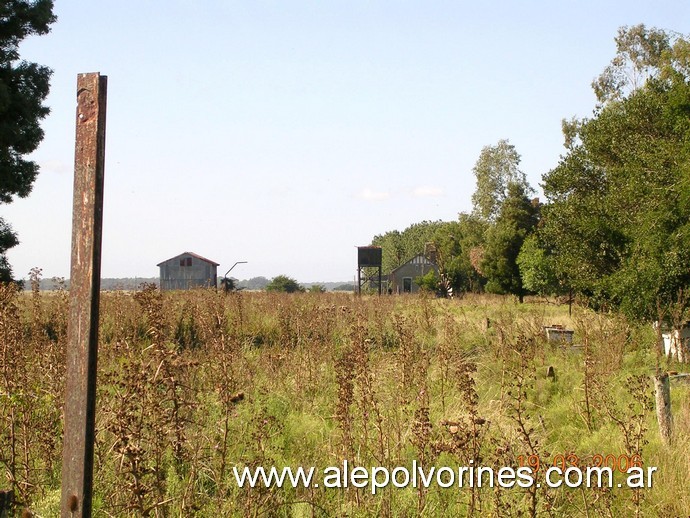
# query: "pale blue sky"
286 133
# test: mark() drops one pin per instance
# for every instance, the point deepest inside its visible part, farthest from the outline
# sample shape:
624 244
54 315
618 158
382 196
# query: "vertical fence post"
662 392
85 278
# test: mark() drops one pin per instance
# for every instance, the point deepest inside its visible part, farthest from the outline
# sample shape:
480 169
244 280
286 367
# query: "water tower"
369 259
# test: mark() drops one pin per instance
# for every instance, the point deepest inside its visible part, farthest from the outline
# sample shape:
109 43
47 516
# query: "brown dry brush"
45 356
445 353
465 435
289 324
520 374
312 345
357 407
31 371
172 384
502 452
605 341
374 449
119 320
423 441
222 352
126 432
345 373
148 400
631 420
426 313
237 318
263 429
187 385
10 367
589 375
36 305
221 386
412 365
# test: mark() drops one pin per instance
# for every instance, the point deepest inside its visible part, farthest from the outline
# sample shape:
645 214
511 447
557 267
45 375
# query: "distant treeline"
134 283
260 283
124 283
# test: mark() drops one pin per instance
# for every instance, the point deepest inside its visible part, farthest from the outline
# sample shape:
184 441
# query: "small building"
676 341
402 279
188 270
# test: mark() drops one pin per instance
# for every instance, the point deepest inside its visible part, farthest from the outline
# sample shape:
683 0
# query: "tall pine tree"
516 219
23 89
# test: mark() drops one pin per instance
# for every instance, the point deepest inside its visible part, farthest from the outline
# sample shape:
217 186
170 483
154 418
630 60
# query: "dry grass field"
194 385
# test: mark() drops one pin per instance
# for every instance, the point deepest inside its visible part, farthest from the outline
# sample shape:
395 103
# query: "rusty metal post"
85 280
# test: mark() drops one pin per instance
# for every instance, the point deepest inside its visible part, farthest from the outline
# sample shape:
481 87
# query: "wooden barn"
402 279
188 270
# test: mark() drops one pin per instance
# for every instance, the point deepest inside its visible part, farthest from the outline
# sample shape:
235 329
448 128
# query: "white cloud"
368 194
427 191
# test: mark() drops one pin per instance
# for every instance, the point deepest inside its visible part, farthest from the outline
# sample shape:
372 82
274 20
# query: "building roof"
417 259
193 255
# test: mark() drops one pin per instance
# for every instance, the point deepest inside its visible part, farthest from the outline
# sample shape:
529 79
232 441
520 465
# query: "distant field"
194 384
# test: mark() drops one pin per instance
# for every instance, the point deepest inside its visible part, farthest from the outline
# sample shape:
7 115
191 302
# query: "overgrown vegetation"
613 229
195 384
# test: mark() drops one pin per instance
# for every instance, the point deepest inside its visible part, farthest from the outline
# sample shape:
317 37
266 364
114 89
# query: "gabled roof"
417 259
193 255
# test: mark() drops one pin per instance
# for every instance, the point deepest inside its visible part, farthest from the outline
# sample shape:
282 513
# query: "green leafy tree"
8 239
452 243
619 214
537 268
393 249
446 253
228 284
641 54
317 288
429 282
496 169
398 247
23 88
473 231
284 284
516 220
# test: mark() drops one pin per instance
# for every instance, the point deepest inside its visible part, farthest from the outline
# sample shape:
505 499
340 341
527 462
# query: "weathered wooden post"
85 280
551 373
662 391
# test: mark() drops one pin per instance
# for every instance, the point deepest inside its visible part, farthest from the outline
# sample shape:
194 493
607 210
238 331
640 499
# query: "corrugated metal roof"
193 255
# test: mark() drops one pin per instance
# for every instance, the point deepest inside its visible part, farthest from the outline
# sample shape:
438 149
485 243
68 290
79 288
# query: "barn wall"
413 269
177 277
